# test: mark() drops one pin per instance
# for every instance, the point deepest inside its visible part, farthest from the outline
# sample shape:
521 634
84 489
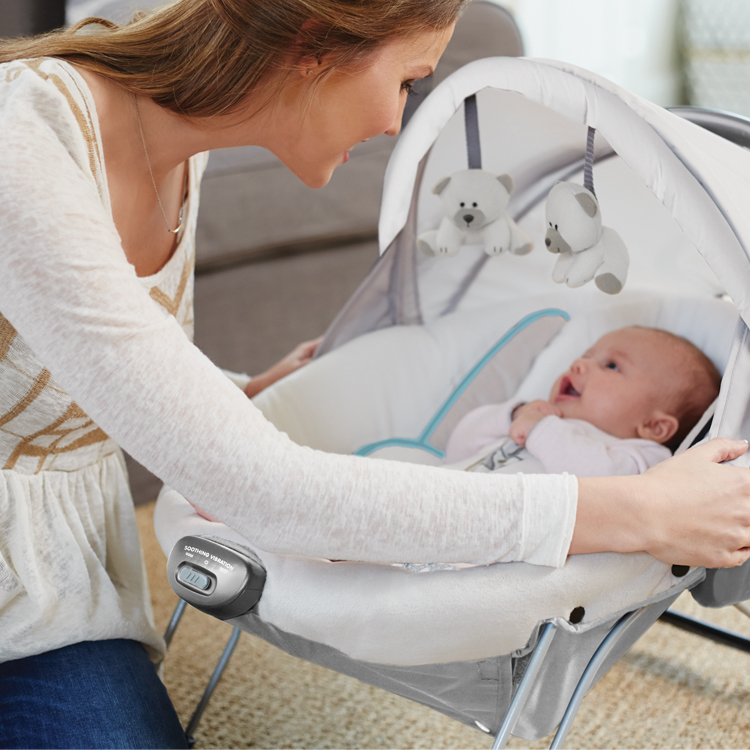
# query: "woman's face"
350 105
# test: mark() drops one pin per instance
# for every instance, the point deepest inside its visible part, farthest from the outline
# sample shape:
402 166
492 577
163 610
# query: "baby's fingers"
546 408
518 432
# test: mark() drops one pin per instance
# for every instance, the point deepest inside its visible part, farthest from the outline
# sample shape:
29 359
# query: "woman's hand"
688 510
297 358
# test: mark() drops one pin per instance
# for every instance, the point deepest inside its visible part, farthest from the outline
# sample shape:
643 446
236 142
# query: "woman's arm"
688 510
67 288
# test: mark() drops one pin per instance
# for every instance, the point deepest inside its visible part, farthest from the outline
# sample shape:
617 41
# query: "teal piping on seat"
422 442
400 443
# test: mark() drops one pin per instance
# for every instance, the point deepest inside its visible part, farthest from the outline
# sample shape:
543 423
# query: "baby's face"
618 383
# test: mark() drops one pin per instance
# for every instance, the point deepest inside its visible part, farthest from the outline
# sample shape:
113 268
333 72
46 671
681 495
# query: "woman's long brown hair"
202 58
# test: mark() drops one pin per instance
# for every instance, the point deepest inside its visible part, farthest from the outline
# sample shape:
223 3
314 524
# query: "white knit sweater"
74 308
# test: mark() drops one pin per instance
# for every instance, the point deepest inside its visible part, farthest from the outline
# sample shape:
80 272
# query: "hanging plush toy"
475 204
586 250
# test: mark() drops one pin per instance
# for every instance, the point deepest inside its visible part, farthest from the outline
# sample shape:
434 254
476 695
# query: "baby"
622 407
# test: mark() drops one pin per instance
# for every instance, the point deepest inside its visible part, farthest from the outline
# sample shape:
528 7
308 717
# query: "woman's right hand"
301 355
687 510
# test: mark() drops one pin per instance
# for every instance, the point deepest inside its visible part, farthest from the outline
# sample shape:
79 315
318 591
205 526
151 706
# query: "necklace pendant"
153 180
179 223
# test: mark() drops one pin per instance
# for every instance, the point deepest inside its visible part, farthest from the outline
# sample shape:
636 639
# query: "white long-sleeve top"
73 306
555 445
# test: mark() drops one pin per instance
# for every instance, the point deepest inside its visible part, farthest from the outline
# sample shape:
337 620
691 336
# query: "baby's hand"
528 416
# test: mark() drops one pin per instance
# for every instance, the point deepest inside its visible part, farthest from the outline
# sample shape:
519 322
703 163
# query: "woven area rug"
672 690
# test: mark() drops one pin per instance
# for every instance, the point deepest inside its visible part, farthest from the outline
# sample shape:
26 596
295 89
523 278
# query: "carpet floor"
672 690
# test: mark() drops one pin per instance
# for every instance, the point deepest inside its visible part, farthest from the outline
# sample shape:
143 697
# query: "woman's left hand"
297 358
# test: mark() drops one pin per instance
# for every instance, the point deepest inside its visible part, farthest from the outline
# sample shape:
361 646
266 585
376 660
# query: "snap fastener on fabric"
678 571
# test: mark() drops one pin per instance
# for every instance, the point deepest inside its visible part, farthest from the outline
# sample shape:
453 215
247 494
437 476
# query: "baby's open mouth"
566 388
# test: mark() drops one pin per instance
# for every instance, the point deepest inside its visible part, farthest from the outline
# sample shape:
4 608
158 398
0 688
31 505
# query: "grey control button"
194 578
216 576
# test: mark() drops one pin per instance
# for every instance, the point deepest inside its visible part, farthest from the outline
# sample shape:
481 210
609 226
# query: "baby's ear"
660 427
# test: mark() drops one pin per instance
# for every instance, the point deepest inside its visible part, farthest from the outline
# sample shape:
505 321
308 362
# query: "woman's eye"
611 366
408 86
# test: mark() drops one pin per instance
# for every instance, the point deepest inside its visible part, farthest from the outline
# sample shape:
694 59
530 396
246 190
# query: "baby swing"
508 648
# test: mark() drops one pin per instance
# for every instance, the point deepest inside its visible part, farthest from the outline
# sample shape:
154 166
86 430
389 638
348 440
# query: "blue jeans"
98 694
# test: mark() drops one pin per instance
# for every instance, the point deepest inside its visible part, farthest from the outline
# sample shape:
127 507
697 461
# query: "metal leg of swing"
212 683
589 674
524 687
179 610
707 630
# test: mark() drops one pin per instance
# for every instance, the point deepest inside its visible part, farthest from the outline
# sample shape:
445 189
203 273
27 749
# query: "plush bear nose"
468 218
547 241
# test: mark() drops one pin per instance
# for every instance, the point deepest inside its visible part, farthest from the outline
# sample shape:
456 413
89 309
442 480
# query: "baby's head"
639 382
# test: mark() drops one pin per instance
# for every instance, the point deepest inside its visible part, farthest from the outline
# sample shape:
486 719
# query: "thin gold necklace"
151 172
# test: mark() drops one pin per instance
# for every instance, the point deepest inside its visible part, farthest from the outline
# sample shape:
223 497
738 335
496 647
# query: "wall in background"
630 42
119 11
27 17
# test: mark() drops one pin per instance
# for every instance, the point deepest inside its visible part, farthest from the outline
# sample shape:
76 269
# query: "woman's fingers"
701 509
298 357
308 348
719 449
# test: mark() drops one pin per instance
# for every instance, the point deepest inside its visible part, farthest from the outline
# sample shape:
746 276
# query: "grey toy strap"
588 162
471 120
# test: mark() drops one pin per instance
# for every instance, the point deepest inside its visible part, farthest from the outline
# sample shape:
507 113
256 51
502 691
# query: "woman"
103 140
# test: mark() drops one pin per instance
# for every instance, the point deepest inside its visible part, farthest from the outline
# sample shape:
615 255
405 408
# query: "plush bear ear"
506 181
588 204
441 185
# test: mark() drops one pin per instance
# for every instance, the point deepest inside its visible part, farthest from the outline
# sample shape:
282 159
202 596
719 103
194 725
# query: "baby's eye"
611 366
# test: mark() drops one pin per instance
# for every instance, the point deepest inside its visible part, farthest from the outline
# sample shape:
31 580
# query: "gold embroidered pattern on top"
27 447
7 334
172 304
30 403
39 385
83 123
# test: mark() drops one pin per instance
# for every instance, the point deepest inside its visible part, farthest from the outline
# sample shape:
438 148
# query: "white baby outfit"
480 442
92 357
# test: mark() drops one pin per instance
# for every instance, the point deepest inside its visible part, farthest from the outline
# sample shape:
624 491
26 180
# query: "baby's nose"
579 365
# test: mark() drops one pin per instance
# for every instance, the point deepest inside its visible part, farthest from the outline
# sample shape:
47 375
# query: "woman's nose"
395 127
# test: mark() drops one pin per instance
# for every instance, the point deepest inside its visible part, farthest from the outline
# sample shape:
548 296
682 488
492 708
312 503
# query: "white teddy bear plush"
586 249
475 204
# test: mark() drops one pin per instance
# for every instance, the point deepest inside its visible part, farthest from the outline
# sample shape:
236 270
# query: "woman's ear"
660 427
308 66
